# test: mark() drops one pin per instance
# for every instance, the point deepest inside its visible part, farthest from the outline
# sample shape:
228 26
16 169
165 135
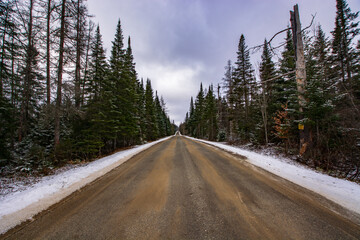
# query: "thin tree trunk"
78 55
86 64
24 112
48 76
265 117
12 72
3 54
60 72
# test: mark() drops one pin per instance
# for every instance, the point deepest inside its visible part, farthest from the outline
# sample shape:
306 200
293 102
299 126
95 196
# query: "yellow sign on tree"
301 126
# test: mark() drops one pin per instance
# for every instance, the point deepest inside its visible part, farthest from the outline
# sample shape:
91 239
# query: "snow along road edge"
340 191
18 207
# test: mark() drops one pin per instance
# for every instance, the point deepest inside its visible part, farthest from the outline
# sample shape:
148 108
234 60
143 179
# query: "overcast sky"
180 43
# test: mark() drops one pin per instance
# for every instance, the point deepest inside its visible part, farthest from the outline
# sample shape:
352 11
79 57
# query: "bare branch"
269 42
312 20
258 47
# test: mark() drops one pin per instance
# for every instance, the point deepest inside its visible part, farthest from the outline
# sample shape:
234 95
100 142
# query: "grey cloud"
180 43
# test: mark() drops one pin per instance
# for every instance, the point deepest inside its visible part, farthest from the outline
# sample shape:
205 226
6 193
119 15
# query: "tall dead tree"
78 39
60 74
28 75
48 55
305 136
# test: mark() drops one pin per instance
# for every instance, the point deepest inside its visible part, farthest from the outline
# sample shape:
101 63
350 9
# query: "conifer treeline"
60 98
265 111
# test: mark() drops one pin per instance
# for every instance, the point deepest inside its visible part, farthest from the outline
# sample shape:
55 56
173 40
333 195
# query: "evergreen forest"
259 107
61 99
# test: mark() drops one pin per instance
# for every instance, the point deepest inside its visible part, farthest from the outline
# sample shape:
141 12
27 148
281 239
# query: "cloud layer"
180 43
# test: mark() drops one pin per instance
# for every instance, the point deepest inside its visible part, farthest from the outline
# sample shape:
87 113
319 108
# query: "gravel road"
183 189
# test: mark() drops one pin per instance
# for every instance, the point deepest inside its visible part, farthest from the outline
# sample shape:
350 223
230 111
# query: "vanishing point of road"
183 189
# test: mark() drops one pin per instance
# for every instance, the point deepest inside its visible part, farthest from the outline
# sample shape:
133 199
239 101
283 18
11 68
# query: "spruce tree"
243 79
150 117
320 91
267 72
190 123
210 115
129 79
91 132
97 68
141 110
115 88
199 113
346 29
284 89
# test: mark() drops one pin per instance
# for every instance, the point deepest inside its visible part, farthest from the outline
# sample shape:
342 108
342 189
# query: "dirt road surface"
182 189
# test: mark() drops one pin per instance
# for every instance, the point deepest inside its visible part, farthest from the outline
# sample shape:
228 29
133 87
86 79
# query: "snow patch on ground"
343 192
22 205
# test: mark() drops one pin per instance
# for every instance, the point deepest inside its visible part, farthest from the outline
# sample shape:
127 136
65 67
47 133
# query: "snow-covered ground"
343 192
22 205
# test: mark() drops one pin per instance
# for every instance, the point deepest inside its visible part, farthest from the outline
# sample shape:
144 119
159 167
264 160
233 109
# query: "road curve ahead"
182 189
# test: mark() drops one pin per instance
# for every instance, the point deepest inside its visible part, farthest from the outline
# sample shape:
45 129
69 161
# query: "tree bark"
88 42
78 56
305 136
24 110
60 72
48 76
3 52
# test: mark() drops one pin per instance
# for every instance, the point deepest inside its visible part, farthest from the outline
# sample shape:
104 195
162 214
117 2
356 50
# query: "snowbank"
343 192
20 206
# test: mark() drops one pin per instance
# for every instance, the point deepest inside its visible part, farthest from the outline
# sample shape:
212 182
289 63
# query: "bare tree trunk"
60 72
48 76
305 136
264 116
12 72
3 52
24 110
86 63
78 56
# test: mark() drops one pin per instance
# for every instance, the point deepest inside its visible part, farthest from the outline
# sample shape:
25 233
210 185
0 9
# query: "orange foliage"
282 123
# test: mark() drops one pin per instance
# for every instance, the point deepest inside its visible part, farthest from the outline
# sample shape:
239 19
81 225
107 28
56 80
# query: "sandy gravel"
182 189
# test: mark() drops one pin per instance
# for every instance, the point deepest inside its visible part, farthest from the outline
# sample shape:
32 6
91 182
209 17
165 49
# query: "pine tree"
210 115
346 29
129 78
159 114
97 67
117 51
141 110
150 117
199 113
190 123
348 107
115 88
285 87
243 79
320 91
284 90
267 72
228 83
91 131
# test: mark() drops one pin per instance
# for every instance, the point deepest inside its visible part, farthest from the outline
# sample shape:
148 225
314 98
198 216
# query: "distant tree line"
61 99
265 111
